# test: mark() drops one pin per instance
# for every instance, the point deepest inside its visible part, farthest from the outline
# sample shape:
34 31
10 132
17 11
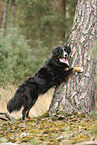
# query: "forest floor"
60 129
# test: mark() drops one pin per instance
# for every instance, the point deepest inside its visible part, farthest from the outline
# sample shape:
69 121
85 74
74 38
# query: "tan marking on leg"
26 114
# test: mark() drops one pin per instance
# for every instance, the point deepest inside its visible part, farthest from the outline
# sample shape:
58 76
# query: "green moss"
25 139
3 140
68 114
93 115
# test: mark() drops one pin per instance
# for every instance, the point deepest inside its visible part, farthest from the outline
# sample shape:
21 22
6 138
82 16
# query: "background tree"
0 13
44 20
78 94
4 18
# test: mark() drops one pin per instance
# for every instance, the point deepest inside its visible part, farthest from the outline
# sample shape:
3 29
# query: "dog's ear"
68 49
55 51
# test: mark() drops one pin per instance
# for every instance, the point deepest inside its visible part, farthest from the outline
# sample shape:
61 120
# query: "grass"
41 106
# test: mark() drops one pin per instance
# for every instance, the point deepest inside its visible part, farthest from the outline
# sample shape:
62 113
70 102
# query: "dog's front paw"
81 69
78 69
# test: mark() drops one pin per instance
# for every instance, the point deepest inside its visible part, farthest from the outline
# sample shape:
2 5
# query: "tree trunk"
13 17
78 94
0 13
4 21
63 5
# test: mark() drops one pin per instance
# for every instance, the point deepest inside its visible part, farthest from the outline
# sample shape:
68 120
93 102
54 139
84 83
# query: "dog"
55 71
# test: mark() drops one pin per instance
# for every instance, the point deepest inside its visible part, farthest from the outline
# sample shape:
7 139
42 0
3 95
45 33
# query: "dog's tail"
16 102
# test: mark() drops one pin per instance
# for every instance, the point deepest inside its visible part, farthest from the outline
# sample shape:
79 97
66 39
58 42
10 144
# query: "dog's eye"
66 55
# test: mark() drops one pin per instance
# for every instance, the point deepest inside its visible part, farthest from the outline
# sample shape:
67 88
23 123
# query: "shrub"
17 59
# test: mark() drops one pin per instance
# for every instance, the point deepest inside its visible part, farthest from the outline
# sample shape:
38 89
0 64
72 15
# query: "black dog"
54 72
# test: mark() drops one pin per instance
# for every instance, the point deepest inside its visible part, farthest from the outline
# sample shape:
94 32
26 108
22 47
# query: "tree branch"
5 116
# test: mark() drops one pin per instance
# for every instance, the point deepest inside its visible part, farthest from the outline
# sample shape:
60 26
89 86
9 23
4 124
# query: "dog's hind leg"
29 104
25 114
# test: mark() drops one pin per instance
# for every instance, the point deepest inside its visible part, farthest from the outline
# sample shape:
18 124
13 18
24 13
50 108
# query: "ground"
61 129
58 130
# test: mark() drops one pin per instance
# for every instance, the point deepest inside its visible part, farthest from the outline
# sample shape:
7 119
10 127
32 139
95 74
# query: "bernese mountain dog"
55 71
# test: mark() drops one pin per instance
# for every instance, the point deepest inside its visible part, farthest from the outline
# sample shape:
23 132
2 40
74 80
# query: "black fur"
51 74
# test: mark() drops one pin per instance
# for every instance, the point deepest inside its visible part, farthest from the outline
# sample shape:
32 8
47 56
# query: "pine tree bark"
78 94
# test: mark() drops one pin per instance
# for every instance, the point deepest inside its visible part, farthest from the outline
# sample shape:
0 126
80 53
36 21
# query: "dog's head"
63 53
